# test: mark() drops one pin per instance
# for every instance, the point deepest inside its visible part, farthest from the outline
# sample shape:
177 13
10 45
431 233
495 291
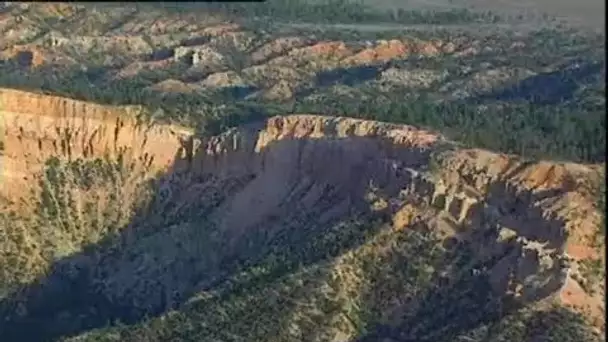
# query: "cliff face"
37 127
530 221
536 218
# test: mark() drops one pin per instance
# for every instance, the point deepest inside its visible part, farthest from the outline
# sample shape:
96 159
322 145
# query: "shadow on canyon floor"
174 247
551 88
348 76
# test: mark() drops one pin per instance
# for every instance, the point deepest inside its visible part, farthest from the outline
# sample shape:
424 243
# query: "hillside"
198 175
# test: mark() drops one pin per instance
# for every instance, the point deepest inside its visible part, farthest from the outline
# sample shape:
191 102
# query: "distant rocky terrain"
193 173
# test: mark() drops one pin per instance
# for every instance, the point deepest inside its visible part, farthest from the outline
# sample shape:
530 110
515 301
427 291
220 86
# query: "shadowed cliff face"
528 221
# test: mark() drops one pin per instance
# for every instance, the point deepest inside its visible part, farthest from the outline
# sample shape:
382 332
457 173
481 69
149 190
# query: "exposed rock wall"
526 218
37 127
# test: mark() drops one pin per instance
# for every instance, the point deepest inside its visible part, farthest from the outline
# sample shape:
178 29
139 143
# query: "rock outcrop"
530 221
37 127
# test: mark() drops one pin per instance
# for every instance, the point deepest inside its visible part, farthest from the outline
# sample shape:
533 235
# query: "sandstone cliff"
531 221
37 127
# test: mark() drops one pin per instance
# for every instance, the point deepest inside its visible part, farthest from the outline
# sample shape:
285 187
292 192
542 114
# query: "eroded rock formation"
530 221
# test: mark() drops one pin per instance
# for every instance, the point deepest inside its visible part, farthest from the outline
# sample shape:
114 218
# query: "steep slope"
131 219
37 127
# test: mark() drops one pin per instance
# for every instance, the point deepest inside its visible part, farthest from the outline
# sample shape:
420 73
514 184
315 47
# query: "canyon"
530 223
